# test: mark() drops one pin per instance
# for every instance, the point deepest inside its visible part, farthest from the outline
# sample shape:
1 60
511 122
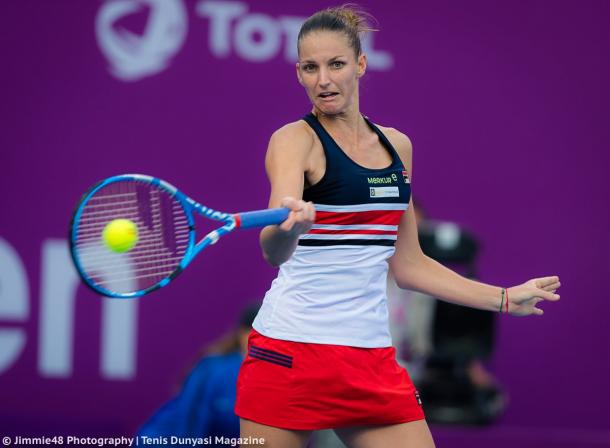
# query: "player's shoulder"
399 140
290 143
297 133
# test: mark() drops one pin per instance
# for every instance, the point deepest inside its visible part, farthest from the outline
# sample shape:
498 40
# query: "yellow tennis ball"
120 235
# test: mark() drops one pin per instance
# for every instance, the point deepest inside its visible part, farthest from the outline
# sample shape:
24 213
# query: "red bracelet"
506 300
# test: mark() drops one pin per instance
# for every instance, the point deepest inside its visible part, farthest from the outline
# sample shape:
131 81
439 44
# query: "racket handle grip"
261 218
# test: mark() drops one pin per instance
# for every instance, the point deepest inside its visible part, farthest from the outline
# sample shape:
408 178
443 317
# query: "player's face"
329 71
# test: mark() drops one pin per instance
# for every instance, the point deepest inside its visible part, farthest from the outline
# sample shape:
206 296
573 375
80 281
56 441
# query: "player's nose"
323 78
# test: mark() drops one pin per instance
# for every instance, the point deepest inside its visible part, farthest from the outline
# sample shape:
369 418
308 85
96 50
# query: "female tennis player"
320 354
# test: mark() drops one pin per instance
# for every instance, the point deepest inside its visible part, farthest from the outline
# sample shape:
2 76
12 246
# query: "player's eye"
337 64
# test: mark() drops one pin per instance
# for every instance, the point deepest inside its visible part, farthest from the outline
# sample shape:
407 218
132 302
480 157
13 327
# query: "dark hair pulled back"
348 19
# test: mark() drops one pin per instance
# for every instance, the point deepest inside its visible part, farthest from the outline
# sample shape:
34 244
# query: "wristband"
501 302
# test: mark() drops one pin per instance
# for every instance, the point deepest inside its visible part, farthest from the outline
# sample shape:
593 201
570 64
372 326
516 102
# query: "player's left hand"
522 299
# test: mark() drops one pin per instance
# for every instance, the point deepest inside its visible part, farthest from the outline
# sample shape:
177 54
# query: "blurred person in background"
204 405
444 345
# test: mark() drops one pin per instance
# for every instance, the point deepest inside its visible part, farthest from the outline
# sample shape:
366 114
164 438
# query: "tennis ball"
120 235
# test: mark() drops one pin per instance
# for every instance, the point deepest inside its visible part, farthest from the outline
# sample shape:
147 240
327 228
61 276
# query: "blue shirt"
204 406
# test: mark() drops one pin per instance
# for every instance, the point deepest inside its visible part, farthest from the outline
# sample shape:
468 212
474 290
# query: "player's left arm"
412 269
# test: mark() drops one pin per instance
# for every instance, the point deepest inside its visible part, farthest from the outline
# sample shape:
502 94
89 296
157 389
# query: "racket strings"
142 258
163 230
90 233
142 272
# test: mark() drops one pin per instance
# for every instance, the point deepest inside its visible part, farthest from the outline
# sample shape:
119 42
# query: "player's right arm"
286 162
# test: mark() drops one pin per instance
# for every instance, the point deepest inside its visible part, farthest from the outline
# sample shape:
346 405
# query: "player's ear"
361 65
297 66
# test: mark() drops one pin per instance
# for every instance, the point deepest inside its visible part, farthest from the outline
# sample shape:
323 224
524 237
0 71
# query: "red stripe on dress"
353 232
388 217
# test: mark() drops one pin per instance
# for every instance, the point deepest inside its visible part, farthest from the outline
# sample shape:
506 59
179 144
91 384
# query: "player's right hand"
301 218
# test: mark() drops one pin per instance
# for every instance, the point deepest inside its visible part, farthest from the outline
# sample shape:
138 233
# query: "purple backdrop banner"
507 105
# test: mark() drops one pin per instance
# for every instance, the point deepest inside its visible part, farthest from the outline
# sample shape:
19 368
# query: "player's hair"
349 19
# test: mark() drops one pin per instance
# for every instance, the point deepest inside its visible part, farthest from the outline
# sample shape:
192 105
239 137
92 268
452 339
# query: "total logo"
233 30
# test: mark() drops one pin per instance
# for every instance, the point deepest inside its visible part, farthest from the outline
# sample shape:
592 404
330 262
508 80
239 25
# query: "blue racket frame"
232 221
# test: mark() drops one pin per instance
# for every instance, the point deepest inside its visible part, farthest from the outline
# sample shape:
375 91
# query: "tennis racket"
167 239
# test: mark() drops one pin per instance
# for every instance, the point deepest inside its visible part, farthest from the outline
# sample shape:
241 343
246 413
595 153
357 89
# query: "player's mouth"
327 96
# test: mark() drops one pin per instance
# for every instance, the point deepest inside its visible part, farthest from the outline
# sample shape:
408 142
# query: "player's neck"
348 122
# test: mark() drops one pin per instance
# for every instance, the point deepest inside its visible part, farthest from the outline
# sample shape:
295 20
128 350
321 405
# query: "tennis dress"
320 354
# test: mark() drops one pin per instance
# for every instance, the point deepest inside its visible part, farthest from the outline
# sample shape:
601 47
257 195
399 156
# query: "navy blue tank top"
332 290
345 183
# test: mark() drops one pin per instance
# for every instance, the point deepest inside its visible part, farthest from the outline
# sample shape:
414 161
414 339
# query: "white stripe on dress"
359 207
345 236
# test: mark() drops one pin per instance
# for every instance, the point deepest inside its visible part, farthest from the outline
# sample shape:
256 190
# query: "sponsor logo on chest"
383 191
